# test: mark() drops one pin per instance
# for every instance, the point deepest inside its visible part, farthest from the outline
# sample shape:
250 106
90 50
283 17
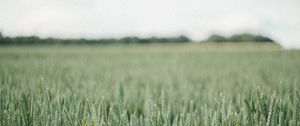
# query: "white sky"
279 19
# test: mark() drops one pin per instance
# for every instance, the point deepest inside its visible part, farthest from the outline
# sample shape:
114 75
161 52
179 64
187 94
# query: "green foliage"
186 85
243 37
216 38
29 40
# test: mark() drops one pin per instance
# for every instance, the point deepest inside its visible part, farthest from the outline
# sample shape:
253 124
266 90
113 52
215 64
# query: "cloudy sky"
279 19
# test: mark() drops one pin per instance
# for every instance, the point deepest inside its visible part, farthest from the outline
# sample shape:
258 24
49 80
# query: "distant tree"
27 40
260 38
247 37
243 37
144 40
4 40
216 38
1 38
130 39
183 38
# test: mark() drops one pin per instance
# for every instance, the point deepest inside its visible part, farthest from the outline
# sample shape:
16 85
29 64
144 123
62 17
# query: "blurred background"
196 19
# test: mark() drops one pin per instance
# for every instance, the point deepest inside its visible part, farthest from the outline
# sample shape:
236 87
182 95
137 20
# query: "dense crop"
152 85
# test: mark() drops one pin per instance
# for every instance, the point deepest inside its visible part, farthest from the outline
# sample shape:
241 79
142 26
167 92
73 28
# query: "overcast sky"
279 19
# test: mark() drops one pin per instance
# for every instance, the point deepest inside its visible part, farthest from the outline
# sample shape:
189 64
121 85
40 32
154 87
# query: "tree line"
19 40
243 37
4 40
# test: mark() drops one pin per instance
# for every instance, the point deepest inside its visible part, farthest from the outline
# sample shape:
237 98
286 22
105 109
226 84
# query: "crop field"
150 85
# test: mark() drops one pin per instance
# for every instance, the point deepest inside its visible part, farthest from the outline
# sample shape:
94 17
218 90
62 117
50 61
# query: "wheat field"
150 85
